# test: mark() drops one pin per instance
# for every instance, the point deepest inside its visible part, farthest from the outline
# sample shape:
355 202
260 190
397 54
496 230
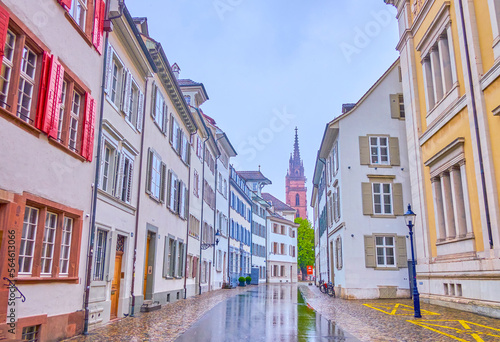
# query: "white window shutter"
127 85
119 175
140 111
153 101
109 68
130 177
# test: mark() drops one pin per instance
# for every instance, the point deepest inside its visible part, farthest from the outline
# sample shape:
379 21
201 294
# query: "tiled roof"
253 176
277 204
187 82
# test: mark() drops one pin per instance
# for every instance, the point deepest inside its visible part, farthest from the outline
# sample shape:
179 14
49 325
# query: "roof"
189 83
254 176
277 204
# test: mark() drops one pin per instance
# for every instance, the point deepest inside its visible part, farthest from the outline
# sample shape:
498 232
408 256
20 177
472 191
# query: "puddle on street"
265 313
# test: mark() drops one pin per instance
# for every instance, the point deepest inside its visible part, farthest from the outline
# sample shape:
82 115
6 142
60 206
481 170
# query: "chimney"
176 70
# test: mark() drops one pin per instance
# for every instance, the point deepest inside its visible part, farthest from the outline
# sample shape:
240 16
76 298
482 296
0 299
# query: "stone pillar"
438 209
436 74
458 201
451 50
465 195
430 100
444 52
449 219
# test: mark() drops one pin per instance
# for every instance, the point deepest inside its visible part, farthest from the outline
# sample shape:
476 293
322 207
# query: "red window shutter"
50 118
4 25
97 35
42 90
66 4
87 149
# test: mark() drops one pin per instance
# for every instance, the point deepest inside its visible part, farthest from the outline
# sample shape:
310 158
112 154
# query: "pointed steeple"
296 168
296 150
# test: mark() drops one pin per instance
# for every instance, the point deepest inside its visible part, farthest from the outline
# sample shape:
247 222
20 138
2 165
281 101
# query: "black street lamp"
206 246
410 220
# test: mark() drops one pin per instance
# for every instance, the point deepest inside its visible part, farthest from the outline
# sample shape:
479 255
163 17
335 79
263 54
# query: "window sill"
19 122
112 200
78 29
382 166
444 105
63 148
386 268
383 216
457 239
29 280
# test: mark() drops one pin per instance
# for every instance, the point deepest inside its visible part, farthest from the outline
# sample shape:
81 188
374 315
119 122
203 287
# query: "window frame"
382 195
385 247
379 148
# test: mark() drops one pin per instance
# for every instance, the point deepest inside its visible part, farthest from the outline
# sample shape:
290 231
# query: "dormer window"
188 99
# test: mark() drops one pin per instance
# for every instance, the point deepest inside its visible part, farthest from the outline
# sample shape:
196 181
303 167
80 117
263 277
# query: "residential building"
450 66
318 202
281 241
127 68
51 80
296 190
240 224
366 184
256 181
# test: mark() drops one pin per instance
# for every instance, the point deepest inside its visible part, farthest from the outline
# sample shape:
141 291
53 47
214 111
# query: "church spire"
296 168
296 150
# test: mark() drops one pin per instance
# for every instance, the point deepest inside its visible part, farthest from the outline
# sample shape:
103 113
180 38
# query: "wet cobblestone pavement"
392 320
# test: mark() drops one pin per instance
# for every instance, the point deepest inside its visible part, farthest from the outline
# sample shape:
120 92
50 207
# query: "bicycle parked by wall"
327 288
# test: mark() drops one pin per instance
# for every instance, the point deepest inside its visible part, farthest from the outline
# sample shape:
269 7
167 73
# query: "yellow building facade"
450 66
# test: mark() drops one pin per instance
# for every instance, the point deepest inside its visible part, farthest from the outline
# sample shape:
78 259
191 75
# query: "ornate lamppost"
410 221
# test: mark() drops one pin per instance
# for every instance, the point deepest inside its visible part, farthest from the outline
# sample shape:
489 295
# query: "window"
65 246
379 150
180 259
116 171
401 106
31 334
117 78
171 258
62 110
297 199
185 148
194 227
382 198
196 184
100 254
7 65
385 251
275 271
26 83
28 238
79 12
156 177
338 252
49 237
335 159
188 99
336 203
282 273
175 136
133 103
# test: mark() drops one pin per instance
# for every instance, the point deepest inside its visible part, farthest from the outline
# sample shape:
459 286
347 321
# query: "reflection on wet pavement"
265 313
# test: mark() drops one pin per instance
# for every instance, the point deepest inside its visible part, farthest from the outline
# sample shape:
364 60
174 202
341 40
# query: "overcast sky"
269 66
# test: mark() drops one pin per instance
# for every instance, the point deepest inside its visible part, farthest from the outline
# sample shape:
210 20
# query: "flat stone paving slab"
393 320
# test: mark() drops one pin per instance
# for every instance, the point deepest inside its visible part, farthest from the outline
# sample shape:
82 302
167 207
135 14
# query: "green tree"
305 243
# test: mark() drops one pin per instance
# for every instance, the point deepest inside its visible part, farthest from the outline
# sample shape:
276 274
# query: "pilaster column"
430 100
465 195
448 206
436 74
438 209
458 201
451 49
444 52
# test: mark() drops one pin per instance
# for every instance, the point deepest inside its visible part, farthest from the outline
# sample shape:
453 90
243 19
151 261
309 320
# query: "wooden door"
115 285
148 243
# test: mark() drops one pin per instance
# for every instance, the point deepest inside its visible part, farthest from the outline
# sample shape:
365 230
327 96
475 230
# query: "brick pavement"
164 325
393 322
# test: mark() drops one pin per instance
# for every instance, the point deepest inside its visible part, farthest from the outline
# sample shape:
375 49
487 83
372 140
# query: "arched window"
297 199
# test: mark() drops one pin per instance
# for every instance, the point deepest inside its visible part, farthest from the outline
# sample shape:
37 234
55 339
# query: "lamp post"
410 220
205 246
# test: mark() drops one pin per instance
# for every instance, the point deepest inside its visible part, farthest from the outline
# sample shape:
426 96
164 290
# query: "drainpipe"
202 206
188 224
215 214
326 207
476 126
90 248
132 288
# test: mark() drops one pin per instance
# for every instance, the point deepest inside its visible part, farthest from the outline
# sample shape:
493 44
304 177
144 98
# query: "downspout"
326 208
188 224
90 248
476 126
202 206
215 212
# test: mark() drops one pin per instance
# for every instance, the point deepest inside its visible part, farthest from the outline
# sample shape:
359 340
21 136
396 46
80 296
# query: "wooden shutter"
364 151
186 202
153 101
42 89
163 182
4 25
401 252
177 185
165 119
149 172
171 137
109 70
126 93
170 190
397 199
394 98
394 150
140 111
87 149
129 181
52 103
98 33
367 198
370 256
165 258
120 174
66 4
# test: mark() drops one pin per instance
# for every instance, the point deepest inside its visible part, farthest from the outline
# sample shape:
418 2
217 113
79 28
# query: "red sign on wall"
310 270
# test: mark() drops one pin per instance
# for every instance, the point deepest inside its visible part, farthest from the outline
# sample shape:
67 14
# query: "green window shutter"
370 257
163 182
149 171
394 150
397 199
367 198
364 151
165 258
401 250
395 106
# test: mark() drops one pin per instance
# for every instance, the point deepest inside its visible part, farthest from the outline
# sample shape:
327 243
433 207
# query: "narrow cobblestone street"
284 313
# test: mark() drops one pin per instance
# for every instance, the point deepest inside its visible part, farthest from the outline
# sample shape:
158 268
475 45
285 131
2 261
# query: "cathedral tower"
296 191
